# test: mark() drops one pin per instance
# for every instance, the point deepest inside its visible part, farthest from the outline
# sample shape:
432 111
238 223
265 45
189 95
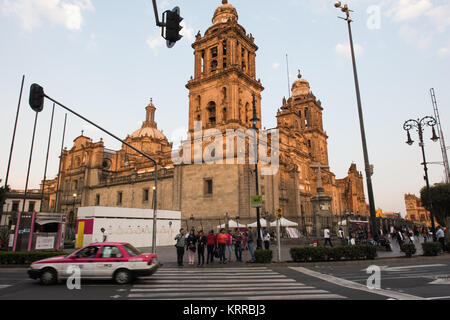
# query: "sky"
106 59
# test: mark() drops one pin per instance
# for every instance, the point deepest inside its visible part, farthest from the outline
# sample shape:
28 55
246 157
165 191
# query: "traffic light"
36 97
171 21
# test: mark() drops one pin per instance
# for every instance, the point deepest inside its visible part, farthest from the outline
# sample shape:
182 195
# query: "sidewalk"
167 255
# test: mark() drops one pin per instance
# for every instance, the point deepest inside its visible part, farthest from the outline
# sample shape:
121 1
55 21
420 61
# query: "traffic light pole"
155 9
131 147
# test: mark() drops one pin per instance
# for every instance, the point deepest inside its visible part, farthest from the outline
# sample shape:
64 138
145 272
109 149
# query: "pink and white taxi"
118 261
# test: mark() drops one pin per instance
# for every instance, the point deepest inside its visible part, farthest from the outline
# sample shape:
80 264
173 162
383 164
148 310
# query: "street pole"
14 133
116 138
29 162
59 168
258 222
154 221
419 125
46 160
368 170
278 240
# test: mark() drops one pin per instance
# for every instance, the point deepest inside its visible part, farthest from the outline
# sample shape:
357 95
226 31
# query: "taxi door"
84 260
111 258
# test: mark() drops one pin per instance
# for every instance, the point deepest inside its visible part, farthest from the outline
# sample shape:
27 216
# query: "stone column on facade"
220 55
252 67
198 64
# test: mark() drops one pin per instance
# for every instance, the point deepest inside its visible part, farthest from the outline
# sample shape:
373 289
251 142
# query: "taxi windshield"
132 251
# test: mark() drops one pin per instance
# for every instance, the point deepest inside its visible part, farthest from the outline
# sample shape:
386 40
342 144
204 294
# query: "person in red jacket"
222 239
211 246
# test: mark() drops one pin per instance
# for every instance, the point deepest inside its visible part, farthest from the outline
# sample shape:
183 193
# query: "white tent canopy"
232 224
254 224
284 223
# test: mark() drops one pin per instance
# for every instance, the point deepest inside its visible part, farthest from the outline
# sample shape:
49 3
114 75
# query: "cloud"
33 13
344 49
416 36
275 66
155 43
443 53
404 10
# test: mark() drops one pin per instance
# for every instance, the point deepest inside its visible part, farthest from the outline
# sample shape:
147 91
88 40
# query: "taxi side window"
88 253
111 252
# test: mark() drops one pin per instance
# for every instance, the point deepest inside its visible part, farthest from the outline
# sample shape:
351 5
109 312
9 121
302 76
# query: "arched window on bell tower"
224 53
212 113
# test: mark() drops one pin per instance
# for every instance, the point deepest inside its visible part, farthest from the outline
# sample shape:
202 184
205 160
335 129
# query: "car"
120 262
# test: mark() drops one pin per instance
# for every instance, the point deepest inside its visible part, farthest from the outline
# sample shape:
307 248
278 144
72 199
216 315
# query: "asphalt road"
410 280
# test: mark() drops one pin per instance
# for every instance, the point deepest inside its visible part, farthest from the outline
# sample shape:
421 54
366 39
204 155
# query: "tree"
440 199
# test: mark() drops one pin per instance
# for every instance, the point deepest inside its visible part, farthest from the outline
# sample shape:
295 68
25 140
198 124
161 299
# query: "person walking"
181 243
400 238
341 236
211 246
237 239
222 239
327 236
266 239
191 246
251 243
202 241
229 245
440 235
104 235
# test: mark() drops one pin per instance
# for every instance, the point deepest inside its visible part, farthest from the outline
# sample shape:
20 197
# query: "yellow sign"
80 235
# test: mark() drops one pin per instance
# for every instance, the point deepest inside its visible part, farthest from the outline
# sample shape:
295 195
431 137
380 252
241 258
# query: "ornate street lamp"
420 125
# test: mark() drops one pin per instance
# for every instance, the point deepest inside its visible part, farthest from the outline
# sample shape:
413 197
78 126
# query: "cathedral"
224 95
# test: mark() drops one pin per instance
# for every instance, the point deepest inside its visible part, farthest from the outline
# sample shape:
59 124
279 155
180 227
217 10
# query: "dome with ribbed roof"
300 87
149 127
224 13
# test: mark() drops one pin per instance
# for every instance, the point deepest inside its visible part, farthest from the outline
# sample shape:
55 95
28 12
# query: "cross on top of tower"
224 1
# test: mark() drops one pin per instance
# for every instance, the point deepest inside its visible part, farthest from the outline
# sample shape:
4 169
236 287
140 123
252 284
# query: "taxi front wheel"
48 277
122 276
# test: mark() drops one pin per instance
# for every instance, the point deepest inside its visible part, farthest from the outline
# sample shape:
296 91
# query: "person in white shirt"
104 235
326 235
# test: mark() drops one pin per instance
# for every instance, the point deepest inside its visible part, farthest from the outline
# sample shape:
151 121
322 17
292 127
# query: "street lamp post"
258 222
73 210
420 125
368 167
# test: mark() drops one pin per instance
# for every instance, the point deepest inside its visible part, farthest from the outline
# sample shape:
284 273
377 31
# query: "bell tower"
220 93
303 113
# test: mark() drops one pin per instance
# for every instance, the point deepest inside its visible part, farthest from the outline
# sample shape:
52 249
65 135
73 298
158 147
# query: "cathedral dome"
224 13
148 132
300 87
149 127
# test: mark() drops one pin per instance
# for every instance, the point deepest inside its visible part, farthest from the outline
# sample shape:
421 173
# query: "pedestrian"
222 239
327 236
440 235
341 236
211 246
181 243
104 235
351 239
251 243
425 234
191 247
237 239
266 240
400 238
361 236
202 242
229 245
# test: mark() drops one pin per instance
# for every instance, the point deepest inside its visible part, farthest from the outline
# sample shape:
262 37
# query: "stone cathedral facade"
221 95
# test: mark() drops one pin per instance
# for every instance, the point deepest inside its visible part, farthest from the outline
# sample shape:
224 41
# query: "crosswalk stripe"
4 286
150 290
193 296
214 270
216 273
219 277
225 285
260 298
156 281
